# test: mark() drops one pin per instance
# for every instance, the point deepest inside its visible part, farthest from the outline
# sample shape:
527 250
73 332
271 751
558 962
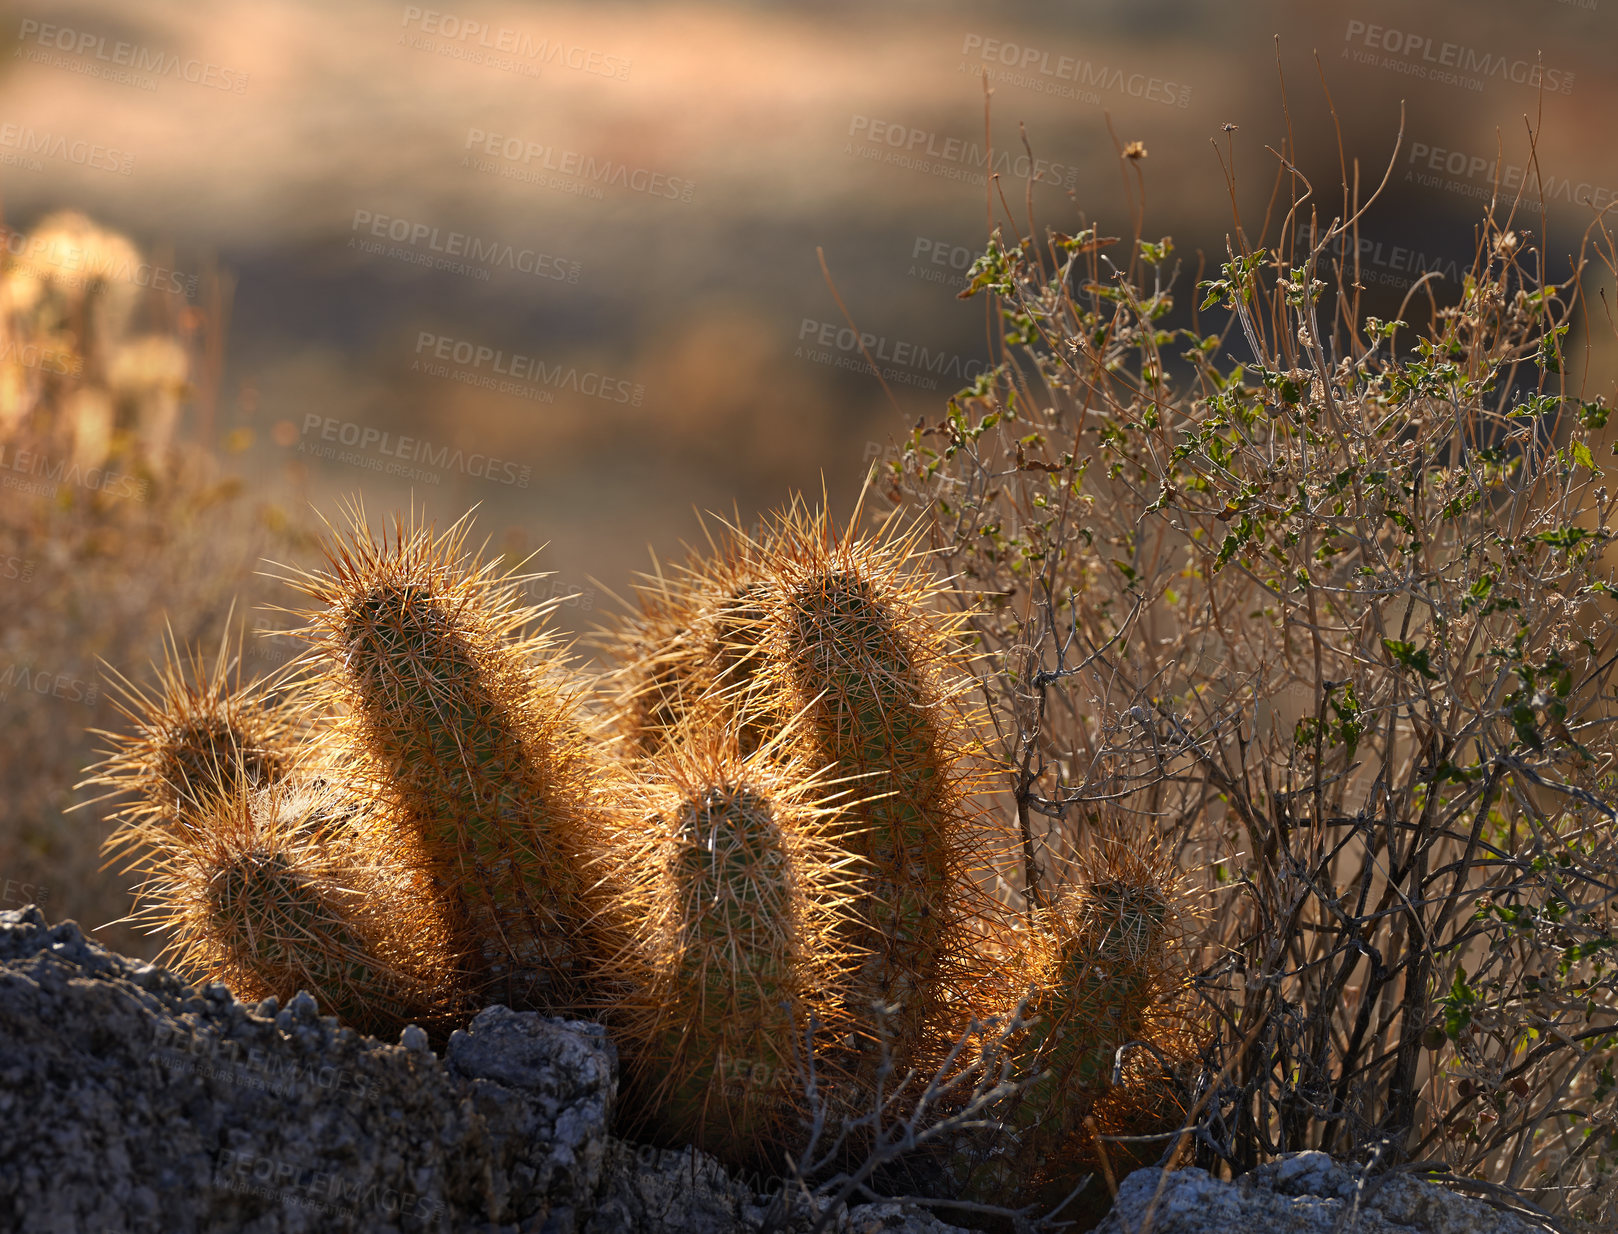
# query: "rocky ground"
130 1102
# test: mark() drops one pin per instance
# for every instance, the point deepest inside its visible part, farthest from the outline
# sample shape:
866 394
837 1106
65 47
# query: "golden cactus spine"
268 892
856 649
1099 971
694 642
196 732
736 891
457 721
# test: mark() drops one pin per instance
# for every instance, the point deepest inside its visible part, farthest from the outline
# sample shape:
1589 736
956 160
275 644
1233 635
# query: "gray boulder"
1302 1193
129 1103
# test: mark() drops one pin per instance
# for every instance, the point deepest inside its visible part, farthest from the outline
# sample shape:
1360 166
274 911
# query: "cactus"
855 648
198 731
696 634
1098 971
736 890
790 848
463 729
267 891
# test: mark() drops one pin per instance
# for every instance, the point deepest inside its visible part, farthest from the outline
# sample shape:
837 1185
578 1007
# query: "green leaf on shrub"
1407 655
1564 537
1458 1005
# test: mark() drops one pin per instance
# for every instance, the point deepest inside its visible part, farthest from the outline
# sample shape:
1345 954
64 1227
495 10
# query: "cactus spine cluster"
769 851
1097 972
267 891
465 729
733 889
854 647
694 643
196 732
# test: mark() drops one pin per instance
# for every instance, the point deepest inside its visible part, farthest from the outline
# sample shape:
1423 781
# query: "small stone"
303 1009
414 1039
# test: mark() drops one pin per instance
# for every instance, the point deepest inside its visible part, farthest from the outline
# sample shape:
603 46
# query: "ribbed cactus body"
733 659
856 653
657 679
872 724
1098 973
457 722
268 892
733 966
1103 971
735 906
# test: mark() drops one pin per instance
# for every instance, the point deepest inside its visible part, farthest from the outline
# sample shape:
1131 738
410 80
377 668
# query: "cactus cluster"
764 848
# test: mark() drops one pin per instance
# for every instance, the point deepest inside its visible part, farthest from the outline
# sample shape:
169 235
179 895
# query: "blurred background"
561 261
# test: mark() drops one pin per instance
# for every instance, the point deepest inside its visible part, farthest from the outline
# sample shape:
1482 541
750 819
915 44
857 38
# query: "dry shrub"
1318 602
112 527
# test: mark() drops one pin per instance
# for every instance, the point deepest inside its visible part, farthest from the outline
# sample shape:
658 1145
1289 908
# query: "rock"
662 1191
1303 1193
131 1103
